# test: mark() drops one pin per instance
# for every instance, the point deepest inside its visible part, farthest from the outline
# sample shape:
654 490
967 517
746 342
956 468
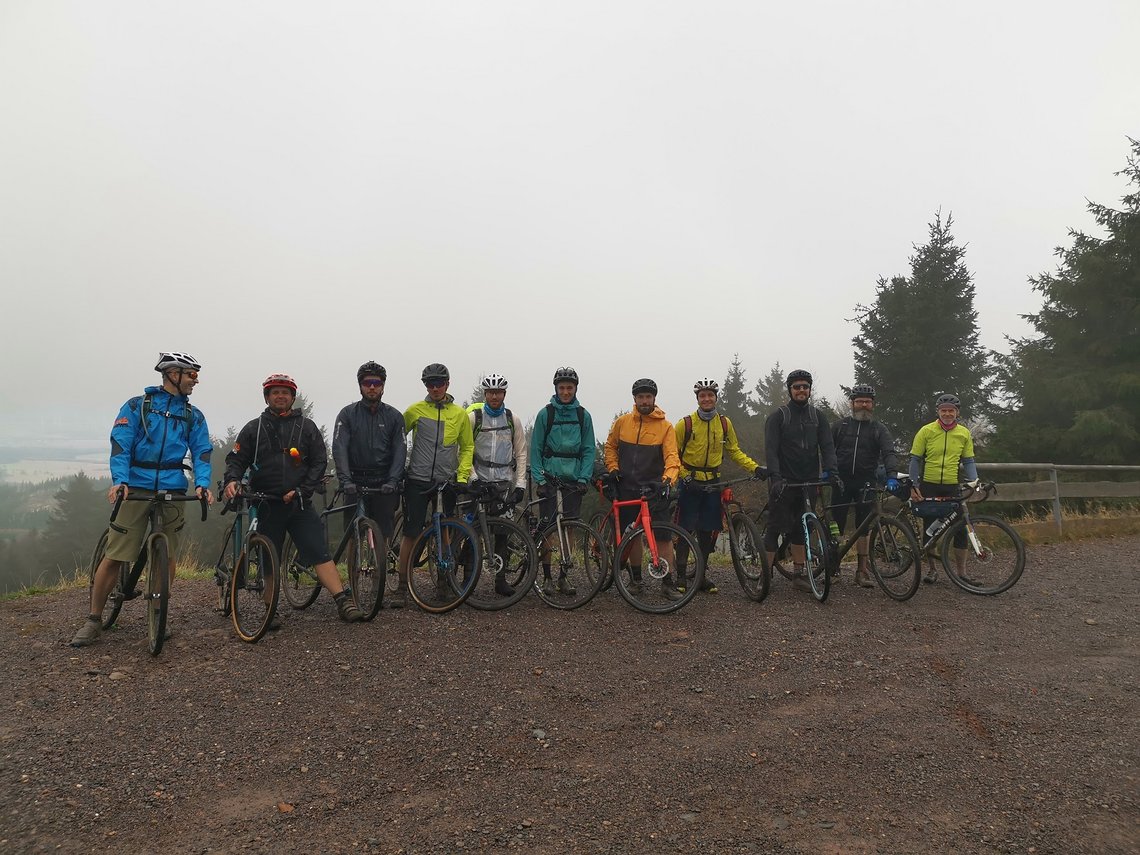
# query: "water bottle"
935 527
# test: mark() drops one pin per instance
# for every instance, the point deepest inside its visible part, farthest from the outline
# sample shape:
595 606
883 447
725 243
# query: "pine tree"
733 401
771 392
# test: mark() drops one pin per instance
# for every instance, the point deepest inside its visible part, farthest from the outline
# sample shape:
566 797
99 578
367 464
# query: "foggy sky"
629 188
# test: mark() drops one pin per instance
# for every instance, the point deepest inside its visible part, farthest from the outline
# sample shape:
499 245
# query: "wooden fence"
1054 489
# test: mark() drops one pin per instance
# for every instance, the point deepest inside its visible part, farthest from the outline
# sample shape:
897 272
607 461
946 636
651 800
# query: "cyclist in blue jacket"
150 439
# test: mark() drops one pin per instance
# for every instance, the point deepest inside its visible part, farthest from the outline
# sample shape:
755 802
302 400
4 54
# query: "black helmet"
645 385
798 374
371 369
947 399
566 374
862 390
435 371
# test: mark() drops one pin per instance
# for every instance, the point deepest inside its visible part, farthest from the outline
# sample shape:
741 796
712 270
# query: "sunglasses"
435 384
371 384
799 387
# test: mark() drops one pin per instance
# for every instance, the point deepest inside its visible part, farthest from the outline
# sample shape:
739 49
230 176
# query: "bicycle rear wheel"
578 562
224 571
605 530
157 592
115 598
300 583
367 567
509 559
817 562
749 560
893 558
255 588
393 577
444 567
994 555
651 587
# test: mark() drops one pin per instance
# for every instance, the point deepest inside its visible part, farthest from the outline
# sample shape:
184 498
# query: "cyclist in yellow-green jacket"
703 439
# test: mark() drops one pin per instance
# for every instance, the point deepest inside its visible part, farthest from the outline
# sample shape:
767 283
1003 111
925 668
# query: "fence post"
1056 499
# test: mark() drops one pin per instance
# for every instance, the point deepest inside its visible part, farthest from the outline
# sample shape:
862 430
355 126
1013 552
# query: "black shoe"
501 586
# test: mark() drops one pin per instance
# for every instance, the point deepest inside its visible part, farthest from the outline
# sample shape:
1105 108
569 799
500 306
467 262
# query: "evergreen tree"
920 337
733 401
79 517
771 392
1073 390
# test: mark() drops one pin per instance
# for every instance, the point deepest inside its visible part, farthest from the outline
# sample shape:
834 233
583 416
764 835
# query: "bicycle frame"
644 519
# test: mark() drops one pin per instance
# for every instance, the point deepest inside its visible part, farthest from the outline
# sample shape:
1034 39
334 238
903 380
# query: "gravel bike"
745 539
568 546
246 571
993 555
820 557
445 560
893 555
639 561
510 560
362 547
155 551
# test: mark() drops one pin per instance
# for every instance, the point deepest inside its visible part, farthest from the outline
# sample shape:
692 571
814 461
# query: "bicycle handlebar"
161 496
563 483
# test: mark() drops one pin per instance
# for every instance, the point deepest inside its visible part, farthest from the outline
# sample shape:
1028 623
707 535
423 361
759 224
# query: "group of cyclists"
385 457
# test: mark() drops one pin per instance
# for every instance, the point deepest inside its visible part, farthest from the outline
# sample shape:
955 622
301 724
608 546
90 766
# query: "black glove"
349 489
666 491
686 481
517 495
759 473
776 486
388 488
837 483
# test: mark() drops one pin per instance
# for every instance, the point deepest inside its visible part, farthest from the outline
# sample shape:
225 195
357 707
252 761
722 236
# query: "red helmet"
279 380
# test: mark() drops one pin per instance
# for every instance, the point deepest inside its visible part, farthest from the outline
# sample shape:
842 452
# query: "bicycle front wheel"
605 529
300 583
749 560
818 559
894 559
510 563
157 592
444 567
578 561
649 585
254 589
367 567
993 559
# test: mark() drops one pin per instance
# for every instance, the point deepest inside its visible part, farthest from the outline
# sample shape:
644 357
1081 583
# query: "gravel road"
947 724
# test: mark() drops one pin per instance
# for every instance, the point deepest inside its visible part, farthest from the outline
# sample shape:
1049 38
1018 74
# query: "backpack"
479 422
546 450
148 407
689 435
786 414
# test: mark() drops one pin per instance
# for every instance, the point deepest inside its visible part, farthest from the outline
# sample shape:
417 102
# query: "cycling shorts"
127 532
699 509
417 503
303 525
571 502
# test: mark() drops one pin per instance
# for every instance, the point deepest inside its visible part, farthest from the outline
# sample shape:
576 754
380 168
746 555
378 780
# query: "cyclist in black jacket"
797 439
285 456
861 443
369 448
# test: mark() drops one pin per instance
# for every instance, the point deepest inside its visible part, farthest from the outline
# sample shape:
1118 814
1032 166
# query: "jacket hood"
657 414
448 398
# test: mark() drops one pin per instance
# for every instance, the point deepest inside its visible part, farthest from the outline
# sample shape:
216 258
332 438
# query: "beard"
861 415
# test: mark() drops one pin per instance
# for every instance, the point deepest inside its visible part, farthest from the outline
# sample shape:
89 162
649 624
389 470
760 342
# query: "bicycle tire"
367 567
993 564
818 566
299 583
512 552
157 592
893 558
393 577
749 560
444 569
224 571
581 556
255 588
644 587
605 530
115 599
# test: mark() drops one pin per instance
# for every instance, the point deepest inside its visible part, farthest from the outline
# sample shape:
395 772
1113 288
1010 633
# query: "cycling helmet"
494 381
174 359
799 374
566 373
435 371
946 399
371 369
279 380
645 385
862 390
706 384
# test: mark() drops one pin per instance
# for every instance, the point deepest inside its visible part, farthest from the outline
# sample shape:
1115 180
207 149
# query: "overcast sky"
628 188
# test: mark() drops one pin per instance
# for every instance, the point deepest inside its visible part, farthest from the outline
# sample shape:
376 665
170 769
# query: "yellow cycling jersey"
941 450
703 451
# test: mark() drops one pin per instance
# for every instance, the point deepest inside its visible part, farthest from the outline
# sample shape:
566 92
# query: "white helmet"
494 381
706 384
173 359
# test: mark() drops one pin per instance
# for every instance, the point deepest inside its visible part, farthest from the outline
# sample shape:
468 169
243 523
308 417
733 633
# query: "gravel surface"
948 724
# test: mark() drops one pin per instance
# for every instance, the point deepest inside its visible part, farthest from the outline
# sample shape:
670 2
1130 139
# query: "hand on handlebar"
231 489
204 492
115 491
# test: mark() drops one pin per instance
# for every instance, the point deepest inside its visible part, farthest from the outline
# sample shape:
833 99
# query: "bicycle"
509 554
745 540
249 585
445 561
641 538
155 549
360 545
820 558
572 547
893 555
994 556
